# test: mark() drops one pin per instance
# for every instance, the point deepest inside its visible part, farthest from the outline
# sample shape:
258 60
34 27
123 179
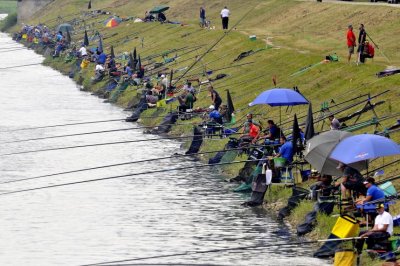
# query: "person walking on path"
362 36
351 42
202 17
225 17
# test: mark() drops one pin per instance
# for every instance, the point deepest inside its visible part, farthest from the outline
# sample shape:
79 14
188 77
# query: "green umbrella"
158 9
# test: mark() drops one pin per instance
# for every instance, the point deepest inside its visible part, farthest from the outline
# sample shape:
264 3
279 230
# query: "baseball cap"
365 182
211 107
380 205
163 76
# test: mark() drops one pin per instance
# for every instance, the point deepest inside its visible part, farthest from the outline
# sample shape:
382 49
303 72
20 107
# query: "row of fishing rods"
145 127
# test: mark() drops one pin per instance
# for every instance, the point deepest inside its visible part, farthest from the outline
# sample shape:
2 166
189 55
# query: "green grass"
8 6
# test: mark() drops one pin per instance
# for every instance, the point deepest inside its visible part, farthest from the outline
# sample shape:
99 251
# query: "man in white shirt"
381 231
225 17
83 51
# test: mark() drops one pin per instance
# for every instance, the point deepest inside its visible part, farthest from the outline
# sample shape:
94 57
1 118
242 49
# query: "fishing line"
93 132
11 67
127 175
63 125
108 143
223 250
123 163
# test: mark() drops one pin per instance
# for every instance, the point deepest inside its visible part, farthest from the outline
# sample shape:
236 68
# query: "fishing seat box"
345 226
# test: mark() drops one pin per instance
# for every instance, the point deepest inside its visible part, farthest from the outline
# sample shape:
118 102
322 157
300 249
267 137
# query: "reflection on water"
138 216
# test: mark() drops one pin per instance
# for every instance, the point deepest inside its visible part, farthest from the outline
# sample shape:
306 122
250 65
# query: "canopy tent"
158 9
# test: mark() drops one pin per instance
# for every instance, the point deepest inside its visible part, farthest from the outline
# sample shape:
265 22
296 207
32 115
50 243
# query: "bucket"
279 162
388 188
253 37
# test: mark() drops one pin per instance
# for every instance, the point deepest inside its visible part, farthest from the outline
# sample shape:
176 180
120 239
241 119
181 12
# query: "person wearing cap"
382 230
214 115
374 193
334 123
164 81
351 180
351 41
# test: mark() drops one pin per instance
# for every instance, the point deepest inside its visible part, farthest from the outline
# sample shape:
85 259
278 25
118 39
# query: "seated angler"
352 180
382 230
250 133
215 116
102 57
374 193
185 101
274 132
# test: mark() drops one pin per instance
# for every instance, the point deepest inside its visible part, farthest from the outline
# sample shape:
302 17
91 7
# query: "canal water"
126 218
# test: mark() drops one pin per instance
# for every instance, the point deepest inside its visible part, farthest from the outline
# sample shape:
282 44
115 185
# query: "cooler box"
345 226
388 189
253 37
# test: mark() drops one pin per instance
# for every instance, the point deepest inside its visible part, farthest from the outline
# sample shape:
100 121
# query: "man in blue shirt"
102 58
215 116
373 192
286 150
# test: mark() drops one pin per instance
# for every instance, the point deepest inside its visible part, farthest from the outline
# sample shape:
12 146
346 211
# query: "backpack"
371 50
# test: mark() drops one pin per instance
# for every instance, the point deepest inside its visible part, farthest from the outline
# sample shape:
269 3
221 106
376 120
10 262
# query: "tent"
112 22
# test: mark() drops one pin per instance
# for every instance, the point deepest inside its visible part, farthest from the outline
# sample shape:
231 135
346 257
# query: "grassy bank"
8 6
291 35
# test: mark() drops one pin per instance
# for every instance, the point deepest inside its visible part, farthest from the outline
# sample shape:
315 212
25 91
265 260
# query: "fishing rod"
13 50
11 67
126 175
258 246
107 143
125 163
212 46
223 68
341 109
94 132
63 125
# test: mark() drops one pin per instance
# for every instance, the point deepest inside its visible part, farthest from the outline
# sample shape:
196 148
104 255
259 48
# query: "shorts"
202 21
351 49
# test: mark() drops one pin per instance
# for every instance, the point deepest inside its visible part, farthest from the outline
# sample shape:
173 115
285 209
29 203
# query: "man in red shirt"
351 41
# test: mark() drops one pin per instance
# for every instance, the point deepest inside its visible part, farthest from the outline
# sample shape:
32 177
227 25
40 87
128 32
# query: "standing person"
225 17
362 36
202 17
351 42
334 123
215 98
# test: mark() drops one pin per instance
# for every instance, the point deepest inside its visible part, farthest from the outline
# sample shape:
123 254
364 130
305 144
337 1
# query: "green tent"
159 9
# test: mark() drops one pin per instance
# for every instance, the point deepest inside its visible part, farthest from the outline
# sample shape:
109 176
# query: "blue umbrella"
364 147
279 97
